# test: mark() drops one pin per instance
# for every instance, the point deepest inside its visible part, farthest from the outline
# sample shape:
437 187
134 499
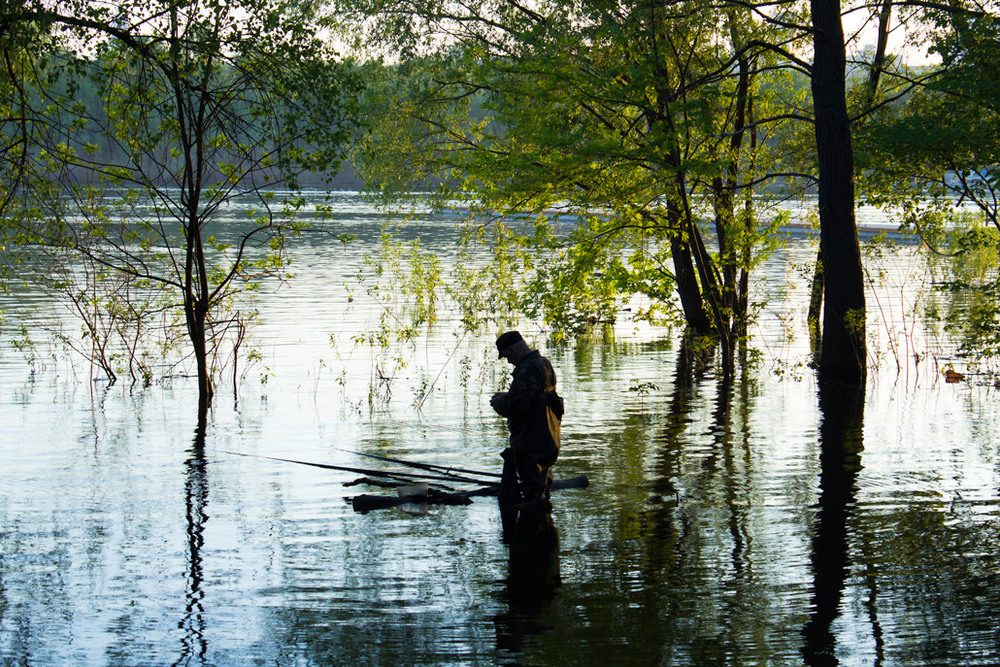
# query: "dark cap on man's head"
505 340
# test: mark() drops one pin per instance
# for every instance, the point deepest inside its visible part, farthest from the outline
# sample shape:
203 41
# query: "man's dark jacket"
533 409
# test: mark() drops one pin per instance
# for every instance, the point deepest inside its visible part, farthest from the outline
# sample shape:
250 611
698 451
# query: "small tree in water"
128 131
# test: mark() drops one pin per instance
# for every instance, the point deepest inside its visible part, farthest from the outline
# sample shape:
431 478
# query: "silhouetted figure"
534 412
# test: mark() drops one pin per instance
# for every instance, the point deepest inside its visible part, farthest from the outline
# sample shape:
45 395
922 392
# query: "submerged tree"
844 354
651 122
136 125
648 123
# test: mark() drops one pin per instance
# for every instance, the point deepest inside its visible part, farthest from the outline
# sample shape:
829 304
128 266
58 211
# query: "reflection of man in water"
533 410
532 576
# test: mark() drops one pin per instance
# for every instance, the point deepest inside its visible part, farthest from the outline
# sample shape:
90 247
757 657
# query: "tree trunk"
685 275
196 315
878 58
816 306
196 300
843 355
712 294
733 248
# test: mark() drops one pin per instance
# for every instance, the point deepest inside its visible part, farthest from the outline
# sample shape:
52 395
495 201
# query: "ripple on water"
696 543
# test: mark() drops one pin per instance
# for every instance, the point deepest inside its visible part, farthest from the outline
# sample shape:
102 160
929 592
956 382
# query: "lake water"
717 528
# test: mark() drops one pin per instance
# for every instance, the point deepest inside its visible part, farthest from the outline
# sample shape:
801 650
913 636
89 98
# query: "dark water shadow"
533 577
660 523
194 648
671 530
841 444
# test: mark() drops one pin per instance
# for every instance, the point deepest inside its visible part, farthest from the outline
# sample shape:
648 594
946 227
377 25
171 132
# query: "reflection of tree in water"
841 443
715 581
194 648
532 577
691 505
660 522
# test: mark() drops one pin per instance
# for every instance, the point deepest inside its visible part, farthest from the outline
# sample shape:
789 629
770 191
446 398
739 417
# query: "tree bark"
878 58
197 316
196 304
843 355
816 306
686 276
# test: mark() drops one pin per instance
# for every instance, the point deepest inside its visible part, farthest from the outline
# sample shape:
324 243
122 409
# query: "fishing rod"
399 476
444 470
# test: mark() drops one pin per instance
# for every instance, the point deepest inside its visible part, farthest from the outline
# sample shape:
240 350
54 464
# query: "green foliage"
968 44
941 141
976 323
642 125
407 277
967 272
24 344
495 262
574 288
133 128
933 156
405 283
642 388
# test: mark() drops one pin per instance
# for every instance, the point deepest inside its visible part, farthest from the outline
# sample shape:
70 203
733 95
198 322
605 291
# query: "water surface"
720 527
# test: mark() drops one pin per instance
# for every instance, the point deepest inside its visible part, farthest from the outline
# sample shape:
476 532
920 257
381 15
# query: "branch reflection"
194 649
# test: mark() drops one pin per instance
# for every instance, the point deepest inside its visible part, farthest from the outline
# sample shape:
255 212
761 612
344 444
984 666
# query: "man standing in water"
534 411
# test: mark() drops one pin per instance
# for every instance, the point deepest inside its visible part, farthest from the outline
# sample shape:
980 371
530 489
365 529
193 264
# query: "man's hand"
495 399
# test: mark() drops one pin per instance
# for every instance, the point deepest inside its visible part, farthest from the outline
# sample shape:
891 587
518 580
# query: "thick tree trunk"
843 356
686 276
